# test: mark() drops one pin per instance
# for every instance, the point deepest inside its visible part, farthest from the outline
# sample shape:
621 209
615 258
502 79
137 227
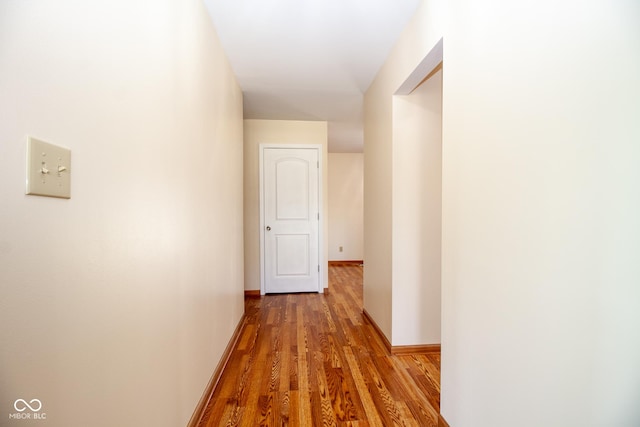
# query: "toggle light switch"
48 169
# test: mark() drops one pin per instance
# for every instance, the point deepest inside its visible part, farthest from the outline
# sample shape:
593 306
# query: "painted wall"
417 208
116 305
540 271
541 206
421 34
258 132
346 178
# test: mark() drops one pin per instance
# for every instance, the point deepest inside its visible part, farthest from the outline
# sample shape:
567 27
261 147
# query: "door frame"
321 260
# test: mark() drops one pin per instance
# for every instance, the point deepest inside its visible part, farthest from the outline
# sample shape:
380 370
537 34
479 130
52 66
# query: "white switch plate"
48 169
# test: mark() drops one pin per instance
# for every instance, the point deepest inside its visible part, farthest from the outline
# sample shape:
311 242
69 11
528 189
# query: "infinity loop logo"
21 405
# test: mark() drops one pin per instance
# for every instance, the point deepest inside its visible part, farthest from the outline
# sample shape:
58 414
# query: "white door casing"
290 207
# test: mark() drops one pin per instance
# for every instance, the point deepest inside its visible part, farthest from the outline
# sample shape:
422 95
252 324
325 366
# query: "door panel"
292 255
292 189
291 224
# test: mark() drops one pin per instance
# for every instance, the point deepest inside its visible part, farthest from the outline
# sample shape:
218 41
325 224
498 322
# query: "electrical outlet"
48 169
340 249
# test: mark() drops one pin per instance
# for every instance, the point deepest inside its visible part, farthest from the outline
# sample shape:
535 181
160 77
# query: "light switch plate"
48 169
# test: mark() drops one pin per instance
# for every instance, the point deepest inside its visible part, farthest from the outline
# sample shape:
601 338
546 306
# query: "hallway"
312 359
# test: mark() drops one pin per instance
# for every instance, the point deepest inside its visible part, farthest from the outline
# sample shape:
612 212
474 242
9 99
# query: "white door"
291 220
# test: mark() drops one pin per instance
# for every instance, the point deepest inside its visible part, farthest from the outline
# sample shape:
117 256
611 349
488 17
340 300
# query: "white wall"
541 208
117 304
346 177
258 132
414 44
540 272
417 221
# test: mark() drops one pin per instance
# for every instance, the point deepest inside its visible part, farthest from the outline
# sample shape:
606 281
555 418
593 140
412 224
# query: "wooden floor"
312 360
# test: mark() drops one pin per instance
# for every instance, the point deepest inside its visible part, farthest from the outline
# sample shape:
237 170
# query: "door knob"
268 228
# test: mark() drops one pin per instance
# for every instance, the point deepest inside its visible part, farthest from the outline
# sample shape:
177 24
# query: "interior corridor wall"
346 177
117 304
540 207
258 132
417 39
540 296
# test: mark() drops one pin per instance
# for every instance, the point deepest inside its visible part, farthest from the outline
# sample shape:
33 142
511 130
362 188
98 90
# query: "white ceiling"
309 59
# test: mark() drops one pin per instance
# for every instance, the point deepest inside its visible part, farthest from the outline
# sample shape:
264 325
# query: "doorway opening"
417 207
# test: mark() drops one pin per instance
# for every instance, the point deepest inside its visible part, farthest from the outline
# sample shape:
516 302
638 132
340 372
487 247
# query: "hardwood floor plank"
382 397
416 393
274 378
285 360
313 360
267 410
371 411
294 409
327 414
303 368
425 415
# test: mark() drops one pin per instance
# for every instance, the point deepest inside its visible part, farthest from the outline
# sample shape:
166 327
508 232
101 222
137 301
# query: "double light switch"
48 169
